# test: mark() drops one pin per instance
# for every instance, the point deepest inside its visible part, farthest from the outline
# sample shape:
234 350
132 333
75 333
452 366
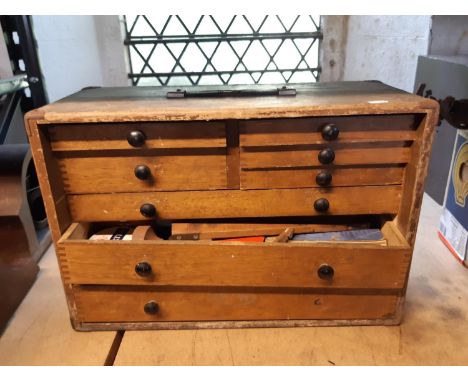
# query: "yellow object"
460 175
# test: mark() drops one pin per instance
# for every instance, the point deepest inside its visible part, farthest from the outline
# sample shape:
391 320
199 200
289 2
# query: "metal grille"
203 50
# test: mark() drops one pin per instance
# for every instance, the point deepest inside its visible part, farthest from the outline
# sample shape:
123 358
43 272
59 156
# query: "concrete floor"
433 331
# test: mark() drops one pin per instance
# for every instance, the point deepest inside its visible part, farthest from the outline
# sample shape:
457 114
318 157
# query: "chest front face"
335 157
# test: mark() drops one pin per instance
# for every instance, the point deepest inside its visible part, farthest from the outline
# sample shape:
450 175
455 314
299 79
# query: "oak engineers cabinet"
334 153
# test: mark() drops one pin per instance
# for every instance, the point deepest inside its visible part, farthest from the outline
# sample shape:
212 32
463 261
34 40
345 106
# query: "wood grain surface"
217 263
78 137
309 157
302 178
86 175
301 131
108 305
200 231
233 204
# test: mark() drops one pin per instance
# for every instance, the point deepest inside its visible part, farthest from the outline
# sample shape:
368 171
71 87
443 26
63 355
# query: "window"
202 50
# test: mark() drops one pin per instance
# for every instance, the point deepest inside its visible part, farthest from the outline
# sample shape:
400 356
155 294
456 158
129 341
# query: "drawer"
191 169
154 135
234 203
329 176
301 156
204 263
300 131
107 304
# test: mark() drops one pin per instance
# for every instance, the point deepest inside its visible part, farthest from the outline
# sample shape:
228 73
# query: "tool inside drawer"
119 258
368 230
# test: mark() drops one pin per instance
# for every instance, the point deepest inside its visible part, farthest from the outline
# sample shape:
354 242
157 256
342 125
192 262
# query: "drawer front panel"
234 264
120 305
300 131
235 203
341 176
113 136
310 157
167 172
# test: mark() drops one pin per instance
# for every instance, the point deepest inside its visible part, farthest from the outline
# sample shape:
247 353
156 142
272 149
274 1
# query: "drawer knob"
136 138
148 210
151 307
326 272
326 156
323 178
321 205
143 269
330 132
142 172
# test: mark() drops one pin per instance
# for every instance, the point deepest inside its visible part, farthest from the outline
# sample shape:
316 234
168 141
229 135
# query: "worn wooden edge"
97 326
50 199
422 165
149 115
393 235
408 226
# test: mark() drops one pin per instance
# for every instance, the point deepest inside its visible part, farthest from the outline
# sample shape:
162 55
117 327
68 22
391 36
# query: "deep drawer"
101 304
236 264
235 203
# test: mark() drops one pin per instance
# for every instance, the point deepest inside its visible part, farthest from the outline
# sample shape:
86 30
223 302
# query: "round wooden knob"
148 210
136 138
330 132
142 172
151 307
323 178
325 272
143 269
326 156
321 205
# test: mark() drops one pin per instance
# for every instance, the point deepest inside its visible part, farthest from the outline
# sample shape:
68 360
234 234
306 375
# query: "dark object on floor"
24 235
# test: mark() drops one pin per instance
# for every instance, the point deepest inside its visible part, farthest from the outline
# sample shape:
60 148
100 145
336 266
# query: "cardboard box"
453 228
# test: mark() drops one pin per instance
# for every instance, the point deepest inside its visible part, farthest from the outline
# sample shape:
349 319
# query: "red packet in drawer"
259 239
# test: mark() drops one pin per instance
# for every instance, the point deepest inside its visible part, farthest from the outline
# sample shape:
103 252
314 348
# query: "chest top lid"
126 104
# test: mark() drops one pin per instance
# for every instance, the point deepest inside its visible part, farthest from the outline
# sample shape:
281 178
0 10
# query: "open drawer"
206 263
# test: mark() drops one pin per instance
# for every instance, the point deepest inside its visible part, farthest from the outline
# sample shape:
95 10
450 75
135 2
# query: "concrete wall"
449 36
79 51
384 48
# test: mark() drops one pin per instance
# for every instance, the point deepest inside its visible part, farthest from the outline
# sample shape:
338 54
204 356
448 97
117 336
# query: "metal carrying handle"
280 92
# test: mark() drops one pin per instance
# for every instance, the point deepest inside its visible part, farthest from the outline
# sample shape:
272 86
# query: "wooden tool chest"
335 153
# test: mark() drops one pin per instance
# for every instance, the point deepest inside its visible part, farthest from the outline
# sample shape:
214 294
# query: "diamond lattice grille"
203 50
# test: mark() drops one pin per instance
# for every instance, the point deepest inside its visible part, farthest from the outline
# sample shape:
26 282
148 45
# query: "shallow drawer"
156 135
234 203
300 131
319 177
100 304
308 157
201 169
366 265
